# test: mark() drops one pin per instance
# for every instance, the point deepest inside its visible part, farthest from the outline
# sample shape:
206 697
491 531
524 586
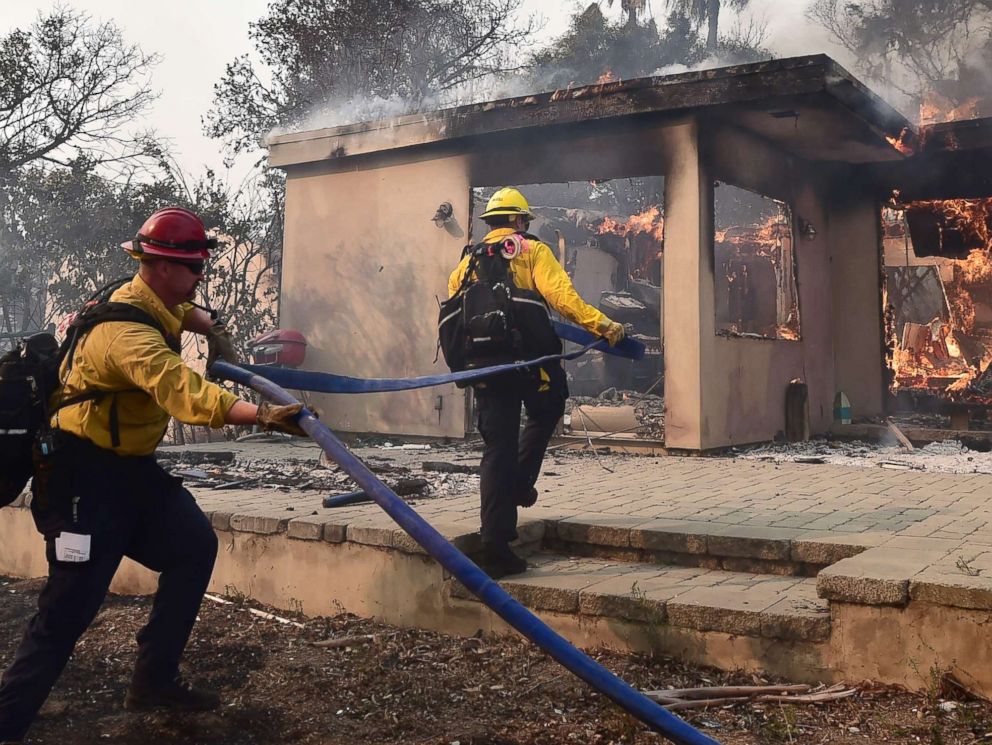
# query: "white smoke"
786 32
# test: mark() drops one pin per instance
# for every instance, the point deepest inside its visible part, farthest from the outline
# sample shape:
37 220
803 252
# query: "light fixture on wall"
806 230
444 213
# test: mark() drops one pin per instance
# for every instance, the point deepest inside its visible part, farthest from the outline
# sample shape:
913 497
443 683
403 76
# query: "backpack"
29 378
491 321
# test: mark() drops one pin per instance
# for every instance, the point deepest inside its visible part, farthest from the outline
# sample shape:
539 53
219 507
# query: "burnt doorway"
937 296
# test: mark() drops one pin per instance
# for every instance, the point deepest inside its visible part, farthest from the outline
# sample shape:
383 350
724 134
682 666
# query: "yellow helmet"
508 201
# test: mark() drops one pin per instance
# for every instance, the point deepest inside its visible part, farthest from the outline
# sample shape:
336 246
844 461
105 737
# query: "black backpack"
491 321
29 378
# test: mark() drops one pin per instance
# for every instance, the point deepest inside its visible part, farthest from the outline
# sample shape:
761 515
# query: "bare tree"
915 46
68 88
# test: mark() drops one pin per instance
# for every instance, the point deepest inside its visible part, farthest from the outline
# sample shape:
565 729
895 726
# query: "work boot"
528 498
176 696
498 560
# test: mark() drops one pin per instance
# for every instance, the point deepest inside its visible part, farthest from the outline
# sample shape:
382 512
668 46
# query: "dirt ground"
416 687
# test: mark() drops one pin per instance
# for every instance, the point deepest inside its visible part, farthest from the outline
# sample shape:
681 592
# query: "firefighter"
511 460
101 495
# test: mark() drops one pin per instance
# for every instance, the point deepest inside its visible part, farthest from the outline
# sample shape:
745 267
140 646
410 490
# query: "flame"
650 221
902 143
606 77
933 358
766 239
786 331
935 108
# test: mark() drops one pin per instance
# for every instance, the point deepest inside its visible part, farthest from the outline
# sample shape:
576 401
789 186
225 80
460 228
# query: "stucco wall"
857 298
362 267
744 381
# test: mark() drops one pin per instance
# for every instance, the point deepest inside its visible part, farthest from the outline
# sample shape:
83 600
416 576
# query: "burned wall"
745 379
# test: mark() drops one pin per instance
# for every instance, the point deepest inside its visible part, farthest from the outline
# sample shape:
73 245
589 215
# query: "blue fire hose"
319 382
459 565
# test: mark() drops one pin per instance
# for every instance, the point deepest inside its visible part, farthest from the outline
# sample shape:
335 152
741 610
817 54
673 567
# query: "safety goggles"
196 267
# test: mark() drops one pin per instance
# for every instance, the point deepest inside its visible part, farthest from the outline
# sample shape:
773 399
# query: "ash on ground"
949 456
410 469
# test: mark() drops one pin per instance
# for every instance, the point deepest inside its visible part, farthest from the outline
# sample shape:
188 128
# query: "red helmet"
172 233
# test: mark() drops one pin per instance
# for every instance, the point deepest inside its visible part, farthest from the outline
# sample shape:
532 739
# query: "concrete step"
710 545
696 598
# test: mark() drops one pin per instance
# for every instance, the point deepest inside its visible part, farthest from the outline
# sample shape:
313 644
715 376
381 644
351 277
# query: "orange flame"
932 357
650 221
935 108
606 77
766 239
902 142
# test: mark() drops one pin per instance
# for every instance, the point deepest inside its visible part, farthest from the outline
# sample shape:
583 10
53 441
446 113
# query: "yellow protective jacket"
118 355
536 268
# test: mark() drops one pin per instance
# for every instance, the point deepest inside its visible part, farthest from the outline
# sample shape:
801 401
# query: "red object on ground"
283 347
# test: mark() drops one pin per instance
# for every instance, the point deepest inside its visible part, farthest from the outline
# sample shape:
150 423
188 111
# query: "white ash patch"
949 456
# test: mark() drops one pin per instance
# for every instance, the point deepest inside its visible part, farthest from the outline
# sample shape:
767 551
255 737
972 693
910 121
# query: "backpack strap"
473 253
104 312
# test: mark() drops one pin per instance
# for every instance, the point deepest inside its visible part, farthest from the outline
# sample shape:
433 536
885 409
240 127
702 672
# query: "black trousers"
130 507
511 460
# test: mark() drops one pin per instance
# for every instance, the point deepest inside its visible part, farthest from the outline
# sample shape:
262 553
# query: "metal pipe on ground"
461 567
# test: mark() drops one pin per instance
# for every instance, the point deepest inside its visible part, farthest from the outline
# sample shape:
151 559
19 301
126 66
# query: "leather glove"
280 418
612 331
220 345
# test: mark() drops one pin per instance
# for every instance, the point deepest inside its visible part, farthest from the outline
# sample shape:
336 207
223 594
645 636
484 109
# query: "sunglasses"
196 267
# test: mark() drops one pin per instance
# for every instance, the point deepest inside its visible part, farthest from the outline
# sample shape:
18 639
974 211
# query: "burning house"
729 217
937 255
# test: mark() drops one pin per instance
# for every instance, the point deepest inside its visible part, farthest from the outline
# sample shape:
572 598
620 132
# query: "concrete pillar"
688 302
857 299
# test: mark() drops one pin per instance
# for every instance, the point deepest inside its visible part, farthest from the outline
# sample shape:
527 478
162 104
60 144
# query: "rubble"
296 466
649 411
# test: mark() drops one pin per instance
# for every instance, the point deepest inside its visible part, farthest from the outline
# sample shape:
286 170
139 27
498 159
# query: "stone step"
755 605
711 545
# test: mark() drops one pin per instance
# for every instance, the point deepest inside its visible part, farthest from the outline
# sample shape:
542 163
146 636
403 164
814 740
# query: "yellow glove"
612 331
280 418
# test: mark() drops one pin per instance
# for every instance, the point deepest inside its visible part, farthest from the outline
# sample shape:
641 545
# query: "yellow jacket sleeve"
554 285
455 280
141 356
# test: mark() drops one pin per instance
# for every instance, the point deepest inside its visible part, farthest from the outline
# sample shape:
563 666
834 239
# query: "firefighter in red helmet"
104 496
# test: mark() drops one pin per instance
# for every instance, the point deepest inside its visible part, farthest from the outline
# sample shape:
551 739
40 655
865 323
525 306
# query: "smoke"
774 28
343 111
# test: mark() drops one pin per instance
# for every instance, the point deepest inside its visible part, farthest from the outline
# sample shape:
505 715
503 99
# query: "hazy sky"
197 38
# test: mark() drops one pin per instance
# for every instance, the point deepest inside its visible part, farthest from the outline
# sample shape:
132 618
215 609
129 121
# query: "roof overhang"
809 106
953 160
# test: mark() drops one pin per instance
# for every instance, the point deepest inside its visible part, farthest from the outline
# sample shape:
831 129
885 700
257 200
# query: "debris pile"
645 417
302 467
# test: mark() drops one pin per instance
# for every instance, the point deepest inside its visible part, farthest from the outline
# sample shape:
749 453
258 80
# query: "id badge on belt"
72 548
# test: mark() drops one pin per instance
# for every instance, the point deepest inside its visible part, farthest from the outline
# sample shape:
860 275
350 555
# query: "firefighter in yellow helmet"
99 494
511 460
